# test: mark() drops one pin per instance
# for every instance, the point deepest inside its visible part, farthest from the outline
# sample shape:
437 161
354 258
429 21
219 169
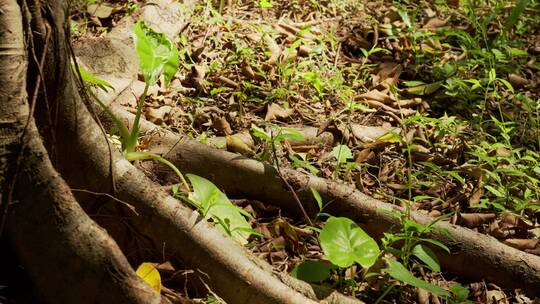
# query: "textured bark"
474 255
69 258
80 146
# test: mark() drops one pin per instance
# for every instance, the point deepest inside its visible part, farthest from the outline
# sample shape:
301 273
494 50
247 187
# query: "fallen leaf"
274 111
149 273
222 125
471 220
371 133
434 23
102 10
517 81
377 96
522 244
237 144
157 116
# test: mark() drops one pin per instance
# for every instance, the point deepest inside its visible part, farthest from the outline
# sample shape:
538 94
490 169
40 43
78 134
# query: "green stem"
131 156
132 141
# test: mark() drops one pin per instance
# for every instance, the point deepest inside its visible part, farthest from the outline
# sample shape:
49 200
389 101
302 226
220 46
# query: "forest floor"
430 105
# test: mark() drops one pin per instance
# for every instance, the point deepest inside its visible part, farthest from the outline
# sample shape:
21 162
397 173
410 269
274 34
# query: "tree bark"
80 147
69 258
473 255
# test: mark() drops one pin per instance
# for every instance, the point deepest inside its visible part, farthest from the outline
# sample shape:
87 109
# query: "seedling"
157 56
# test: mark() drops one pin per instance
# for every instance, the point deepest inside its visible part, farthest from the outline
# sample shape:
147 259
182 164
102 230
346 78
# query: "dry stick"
296 199
492 260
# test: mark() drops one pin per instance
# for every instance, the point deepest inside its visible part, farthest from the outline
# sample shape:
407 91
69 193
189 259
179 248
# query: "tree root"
474 255
69 257
83 158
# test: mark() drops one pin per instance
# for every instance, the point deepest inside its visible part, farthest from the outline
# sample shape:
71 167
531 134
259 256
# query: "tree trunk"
69 257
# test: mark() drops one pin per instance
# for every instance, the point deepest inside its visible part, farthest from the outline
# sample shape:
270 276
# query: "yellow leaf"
149 273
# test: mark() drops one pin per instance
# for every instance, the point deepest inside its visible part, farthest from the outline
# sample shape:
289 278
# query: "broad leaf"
215 205
341 153
149 273
312 271
93 80
397 271
426 255
157 54
344 243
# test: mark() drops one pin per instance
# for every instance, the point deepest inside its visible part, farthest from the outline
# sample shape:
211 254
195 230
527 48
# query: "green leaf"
516 12
426 255
156 53
344 243
289 134
312 271
424 89
397 271
260 133
88 77
341 153
317 197
214 204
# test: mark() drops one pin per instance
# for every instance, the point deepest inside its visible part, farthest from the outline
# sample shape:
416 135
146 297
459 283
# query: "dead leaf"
102 10
273 48
478 192
376 95
236 143
222 125
370 133
522 244
157 116
471 220
276 111
434 23
517 81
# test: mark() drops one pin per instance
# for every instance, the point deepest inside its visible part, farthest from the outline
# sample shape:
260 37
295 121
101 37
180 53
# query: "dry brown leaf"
370 133
376 95
478 192
157 116
517 81
434 23
522 244
273 47
472 220
363 155
222 125
274 111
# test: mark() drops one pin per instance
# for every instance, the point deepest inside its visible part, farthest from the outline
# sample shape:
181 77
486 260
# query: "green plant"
214 204
157 56
273 138
343 154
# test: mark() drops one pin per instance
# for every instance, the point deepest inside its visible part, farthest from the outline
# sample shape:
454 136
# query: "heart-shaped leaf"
344 243
312 271
342 153
157 54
